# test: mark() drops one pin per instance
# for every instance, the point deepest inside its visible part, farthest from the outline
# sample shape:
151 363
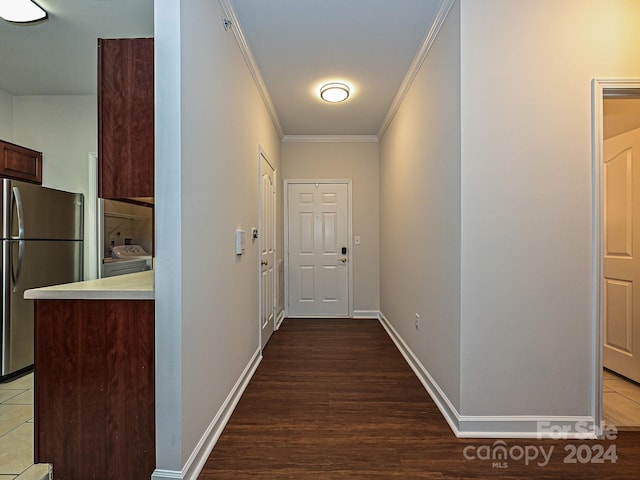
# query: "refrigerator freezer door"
45 213
44 263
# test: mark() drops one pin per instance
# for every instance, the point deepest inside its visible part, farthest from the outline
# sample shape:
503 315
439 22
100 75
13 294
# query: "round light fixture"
22 12
334 92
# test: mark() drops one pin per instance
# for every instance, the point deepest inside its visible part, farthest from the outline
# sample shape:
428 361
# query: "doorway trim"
286 234
600 88
262 154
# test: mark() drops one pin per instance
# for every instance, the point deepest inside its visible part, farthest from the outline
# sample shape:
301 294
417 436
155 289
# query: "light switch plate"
240 242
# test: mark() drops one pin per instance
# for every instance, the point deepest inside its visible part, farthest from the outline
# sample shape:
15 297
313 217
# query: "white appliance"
124 238
126 259
129 252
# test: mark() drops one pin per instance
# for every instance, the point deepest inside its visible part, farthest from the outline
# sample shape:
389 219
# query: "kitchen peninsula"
94 377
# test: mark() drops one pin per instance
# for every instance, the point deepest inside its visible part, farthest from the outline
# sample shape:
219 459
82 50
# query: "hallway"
335 399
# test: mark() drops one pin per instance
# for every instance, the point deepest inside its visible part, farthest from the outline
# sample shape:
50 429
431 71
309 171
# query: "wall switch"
240 246
357 239
417 322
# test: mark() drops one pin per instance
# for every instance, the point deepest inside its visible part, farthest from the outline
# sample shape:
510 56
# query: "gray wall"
210 120
487 168
357 161
420 213
527 273
6 116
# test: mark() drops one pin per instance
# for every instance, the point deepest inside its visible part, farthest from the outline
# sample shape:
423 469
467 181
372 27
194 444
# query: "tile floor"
16 432
621 402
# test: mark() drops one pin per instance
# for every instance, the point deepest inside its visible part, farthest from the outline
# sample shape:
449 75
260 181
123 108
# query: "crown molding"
231 22
427 43
330 139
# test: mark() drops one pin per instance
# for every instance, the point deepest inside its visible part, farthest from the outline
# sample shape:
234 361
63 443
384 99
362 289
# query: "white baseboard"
198 457
366 314
527 426
439 397
279 319
497 426
159 474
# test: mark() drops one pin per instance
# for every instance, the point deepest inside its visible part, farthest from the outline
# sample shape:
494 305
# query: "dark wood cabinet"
20 163
94 388
125 118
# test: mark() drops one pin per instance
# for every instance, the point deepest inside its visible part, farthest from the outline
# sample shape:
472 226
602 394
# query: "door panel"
331 282
306 234
619 221
267 251
329 234
307 284
619 306
318 230
621 260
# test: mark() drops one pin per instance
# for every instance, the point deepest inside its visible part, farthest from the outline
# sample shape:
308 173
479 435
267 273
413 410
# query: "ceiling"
59 56
296 44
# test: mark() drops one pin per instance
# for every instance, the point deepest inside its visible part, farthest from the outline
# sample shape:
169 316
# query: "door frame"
600 88
348 182
262 154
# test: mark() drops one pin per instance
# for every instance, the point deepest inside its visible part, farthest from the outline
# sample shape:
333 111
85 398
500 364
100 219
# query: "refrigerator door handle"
15 276
19 211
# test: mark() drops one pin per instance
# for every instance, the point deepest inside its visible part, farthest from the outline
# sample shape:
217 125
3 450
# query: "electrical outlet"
417 322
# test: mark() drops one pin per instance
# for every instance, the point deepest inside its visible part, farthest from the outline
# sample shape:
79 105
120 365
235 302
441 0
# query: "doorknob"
264 263
343 259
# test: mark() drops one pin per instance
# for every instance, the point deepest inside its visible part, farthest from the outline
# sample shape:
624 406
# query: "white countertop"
134 286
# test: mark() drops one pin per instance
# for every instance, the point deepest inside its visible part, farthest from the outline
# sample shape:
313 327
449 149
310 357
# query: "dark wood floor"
334 399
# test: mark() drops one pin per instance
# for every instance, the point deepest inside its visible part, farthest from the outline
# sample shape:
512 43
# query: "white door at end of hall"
318 272
267 251
622 254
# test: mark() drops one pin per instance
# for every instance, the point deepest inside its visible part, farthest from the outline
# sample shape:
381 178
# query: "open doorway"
617 142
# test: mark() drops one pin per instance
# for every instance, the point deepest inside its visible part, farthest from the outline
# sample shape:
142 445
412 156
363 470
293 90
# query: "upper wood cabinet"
20 163
125 118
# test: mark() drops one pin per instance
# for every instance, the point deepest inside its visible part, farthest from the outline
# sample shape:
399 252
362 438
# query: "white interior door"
318 250
267 235
622 254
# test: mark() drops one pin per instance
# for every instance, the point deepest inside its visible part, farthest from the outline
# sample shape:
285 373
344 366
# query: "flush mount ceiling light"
21 11
334 92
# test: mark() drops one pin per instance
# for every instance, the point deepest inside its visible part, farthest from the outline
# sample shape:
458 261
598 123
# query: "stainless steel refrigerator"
42 245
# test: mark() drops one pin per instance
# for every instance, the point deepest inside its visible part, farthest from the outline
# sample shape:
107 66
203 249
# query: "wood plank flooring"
334 399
